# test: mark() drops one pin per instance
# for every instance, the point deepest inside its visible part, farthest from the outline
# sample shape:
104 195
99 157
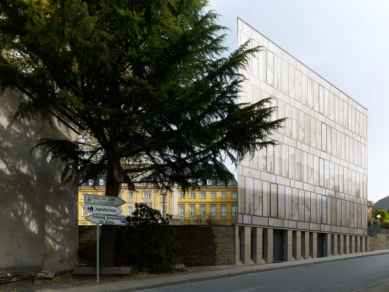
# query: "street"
347 275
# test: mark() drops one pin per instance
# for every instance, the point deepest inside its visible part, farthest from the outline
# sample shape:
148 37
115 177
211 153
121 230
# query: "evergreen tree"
147 79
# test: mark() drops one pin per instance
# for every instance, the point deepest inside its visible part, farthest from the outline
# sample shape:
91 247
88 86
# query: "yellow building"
214 202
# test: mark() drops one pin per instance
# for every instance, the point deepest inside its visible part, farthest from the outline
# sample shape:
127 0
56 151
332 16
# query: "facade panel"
316 176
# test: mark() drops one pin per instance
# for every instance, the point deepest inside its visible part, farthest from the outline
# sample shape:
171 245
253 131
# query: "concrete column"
334 245
305 245
257 256
288 245
268 245
237 246
357 244
340 244
296 253
346 244
327 244
363 244
245 247
313 245
352 244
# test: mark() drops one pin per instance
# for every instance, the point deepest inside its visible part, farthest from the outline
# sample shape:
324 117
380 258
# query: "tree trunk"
107 246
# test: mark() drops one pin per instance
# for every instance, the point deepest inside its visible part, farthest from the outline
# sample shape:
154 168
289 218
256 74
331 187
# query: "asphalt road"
347 275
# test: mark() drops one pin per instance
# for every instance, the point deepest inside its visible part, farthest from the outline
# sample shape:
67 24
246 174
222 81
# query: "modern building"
214 202
307 196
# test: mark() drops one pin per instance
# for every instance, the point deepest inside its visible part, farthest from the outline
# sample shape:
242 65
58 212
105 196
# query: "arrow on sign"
102 209
104 200
106 219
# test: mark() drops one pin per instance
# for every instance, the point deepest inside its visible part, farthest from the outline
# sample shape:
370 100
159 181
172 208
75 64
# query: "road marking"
250 289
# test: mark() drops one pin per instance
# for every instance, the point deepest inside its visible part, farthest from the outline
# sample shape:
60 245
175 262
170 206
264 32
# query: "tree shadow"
38 215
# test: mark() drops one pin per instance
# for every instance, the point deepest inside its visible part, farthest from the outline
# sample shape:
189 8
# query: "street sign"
104 200
106 219
102 209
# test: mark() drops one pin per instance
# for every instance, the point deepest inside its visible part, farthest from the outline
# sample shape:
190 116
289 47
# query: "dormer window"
90 182
101 182
209 182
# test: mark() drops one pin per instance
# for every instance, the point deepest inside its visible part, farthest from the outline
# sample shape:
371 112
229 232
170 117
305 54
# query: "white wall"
38 216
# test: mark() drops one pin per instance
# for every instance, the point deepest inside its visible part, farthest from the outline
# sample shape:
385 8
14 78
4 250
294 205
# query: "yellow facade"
210 202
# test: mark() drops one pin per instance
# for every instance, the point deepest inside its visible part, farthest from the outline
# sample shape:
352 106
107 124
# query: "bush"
384 215
146 241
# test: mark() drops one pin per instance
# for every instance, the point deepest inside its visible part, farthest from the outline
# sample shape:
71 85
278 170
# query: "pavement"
191 274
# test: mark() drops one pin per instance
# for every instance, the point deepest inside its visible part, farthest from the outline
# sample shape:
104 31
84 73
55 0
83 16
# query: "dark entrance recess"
278 245
320 245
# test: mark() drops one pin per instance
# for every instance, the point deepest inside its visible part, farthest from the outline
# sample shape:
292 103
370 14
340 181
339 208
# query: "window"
209 182
224 196
83 196
213 195
83 214
130 210
234 210
192 210
101 182
224 210
234 195
182 210
90 182
146 195
202 210
202 195
193 195
130 195
213 210
182 195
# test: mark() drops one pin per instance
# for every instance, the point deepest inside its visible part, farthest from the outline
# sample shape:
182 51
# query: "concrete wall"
38 216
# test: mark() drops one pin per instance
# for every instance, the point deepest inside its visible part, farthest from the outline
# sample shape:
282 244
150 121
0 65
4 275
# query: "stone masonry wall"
205 245
378 242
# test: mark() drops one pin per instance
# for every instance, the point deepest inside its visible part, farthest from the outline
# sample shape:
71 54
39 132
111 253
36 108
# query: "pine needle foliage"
147 79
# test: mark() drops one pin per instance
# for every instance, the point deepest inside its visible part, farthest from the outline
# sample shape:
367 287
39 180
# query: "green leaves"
144 78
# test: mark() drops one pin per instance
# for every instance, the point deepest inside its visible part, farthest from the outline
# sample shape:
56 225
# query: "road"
347 275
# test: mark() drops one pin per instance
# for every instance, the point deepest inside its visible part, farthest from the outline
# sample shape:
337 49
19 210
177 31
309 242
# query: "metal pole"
97 255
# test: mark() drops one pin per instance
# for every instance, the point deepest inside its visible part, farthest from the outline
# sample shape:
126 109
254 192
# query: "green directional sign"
104 200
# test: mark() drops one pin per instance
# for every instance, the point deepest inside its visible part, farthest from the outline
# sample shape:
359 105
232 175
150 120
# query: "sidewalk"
204 273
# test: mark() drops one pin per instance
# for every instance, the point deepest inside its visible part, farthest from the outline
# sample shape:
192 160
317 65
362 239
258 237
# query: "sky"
344 41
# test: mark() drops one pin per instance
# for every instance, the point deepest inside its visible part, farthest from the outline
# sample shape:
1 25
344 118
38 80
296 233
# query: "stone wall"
205 245
378 242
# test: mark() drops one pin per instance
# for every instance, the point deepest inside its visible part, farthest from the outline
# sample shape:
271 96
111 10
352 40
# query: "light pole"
378 217
163 194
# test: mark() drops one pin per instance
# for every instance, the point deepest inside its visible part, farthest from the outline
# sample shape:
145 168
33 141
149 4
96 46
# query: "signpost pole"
97 255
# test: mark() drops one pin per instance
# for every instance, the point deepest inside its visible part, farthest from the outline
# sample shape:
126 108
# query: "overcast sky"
344 41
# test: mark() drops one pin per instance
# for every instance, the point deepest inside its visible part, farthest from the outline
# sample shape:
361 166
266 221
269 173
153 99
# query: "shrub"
146 241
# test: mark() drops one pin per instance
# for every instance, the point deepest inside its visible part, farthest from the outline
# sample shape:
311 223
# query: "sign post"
97 255
103 209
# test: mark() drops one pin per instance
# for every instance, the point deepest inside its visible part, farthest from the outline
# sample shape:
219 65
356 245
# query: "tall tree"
147 79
